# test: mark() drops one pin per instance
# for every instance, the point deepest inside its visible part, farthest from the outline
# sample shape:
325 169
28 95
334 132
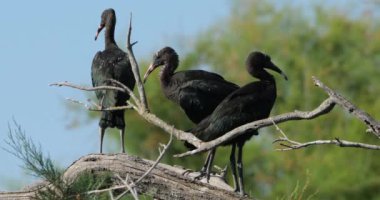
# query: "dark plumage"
112 63
251 102
198 92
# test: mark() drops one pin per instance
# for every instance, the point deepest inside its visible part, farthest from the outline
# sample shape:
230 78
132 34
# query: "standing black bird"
251 102
198 92
112 63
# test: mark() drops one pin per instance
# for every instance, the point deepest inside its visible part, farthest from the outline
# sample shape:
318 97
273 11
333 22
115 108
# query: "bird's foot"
187 172
203 174
241 192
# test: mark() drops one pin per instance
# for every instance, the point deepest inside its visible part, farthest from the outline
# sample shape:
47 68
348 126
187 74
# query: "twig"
105 87
128 185
129 91
336 141
88 107
150 117
135 69
98 108
162 153
291 144
133 184
284 136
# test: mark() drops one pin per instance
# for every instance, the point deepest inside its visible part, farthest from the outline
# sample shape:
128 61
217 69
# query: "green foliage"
32 155
338 48
43 167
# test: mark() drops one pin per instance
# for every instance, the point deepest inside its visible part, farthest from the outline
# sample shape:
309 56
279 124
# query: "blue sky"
47 41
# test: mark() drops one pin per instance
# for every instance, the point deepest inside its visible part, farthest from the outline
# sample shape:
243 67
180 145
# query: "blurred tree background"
339 47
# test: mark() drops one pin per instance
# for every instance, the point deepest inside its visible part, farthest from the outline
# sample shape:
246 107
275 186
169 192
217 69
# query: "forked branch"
135 69
325 107
292 145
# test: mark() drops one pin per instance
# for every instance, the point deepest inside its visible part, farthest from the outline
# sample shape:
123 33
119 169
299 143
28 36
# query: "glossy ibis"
112 63
198 92
251 102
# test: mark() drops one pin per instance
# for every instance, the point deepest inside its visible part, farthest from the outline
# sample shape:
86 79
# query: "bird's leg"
122 133
101 133
101 103
206 169
203 170
240 169
233 167
209 165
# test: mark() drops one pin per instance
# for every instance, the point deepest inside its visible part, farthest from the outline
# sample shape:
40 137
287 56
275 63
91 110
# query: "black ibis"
251 102
111 63
198 92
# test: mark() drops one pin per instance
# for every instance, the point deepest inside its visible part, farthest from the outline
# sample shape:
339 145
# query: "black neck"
168 70
261 74
109 36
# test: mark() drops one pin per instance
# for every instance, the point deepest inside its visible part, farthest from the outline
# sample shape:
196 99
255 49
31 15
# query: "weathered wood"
164 182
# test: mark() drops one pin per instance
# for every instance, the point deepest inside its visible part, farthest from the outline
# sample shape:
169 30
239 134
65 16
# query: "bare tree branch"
129 91
351 108
99 108
135 68
292 145
105 87
324 108
150 117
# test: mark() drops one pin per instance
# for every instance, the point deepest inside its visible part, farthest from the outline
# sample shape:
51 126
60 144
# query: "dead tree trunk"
164 182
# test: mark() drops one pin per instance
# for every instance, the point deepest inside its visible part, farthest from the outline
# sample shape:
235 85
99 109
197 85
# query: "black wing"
199 96
252 102
111 65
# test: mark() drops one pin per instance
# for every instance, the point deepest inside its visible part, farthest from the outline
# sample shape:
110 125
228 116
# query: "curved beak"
273 67
150 70
100 28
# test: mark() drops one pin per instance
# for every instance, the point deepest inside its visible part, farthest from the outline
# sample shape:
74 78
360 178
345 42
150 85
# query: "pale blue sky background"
46 41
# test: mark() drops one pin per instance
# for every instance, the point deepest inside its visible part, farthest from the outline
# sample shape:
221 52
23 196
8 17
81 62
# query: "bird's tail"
112 119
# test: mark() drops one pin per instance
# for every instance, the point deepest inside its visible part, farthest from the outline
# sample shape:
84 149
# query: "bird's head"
257 61
108 17
160 58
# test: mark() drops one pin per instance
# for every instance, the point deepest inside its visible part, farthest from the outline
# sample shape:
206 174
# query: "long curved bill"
100 28
150 70
276 69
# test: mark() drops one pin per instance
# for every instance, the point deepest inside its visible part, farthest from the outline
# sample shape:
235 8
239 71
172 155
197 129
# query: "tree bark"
164 182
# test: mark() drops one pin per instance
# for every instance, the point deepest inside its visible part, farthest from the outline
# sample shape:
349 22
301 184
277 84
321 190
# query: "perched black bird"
112 63
251 102
198 92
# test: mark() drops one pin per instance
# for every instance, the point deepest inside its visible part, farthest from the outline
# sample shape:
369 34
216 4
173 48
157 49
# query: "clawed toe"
187 172
203 175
